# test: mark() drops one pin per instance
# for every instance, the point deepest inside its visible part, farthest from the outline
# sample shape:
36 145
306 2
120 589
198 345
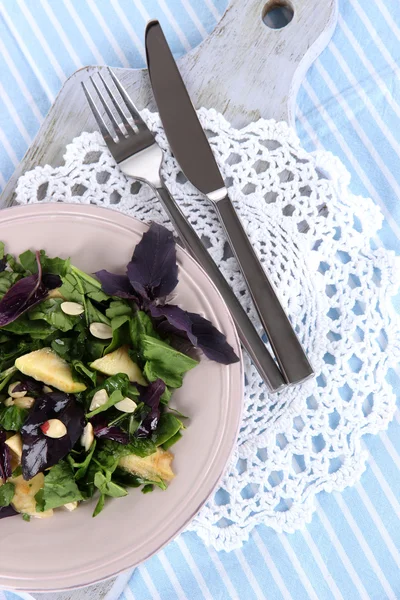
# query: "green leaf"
168 426
81 369
12 349
166 396
28 261
120 333
5 376
26 517
59 488
123 477
57 266
113 399
6 493
99 506
7 279
2 246
50 311
17 471
83 466
139 326
149 487
94 315
164 362
14 265
172 440
91 287
38 330
12 417
115 382
108 488
118 308
70 289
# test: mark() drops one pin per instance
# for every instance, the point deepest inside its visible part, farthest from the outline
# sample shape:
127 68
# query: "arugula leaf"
6 375
50 311
59 488
94 315
14 265
172 440
77 283
81 369
108 487
38 330
127 479
2 247
120 333
7 279
56 266
26 517
12 349
140 325
168 426
118 308
12 417
115 382
163 362
115 397
83 466
99 506
6 493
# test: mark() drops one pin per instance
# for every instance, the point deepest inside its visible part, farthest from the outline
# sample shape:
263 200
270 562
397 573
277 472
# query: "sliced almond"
72 308
25 402
47 389
101 331
100 398
9 402
126 405
15 394
54 428
87 437
15 444
71 506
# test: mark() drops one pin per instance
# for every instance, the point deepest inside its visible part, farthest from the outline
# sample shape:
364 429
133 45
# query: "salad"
88 366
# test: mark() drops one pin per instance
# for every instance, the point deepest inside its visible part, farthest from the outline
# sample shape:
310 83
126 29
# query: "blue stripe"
361 155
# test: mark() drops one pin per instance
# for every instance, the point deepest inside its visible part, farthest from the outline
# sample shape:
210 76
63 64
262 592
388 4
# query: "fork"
139 156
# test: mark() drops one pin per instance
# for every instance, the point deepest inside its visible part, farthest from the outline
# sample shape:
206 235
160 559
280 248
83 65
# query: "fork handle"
289 353
249 337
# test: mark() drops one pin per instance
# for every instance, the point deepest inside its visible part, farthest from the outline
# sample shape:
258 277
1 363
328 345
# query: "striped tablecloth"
349 104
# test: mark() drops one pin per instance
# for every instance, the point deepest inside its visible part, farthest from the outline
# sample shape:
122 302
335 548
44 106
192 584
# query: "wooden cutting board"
244 69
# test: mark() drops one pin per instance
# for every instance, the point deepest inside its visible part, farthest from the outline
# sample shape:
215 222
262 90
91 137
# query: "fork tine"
100 122
117 106
118 130
140 124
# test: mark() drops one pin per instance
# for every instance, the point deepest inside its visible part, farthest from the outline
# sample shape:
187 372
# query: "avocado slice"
153 467
46 366
119 361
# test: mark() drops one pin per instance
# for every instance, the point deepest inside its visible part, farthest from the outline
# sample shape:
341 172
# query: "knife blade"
192 150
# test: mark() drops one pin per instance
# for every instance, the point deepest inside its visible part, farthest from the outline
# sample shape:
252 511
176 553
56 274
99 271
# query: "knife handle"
289 353
249 337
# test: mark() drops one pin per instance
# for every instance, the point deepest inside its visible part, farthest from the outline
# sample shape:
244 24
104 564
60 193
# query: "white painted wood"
244 70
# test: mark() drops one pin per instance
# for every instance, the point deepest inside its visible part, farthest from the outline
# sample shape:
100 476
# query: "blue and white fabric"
349 103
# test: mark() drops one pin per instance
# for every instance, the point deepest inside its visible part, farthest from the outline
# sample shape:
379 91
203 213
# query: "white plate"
73 549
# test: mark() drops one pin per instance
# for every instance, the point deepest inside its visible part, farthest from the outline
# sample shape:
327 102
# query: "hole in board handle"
277 14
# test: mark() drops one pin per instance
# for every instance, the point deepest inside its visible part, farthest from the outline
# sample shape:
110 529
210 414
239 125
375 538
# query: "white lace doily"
315 239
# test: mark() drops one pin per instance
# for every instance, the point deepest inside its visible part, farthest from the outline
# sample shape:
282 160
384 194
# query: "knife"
190 146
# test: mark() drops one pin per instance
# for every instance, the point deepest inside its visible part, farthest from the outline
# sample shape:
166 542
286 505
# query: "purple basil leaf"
29 385
150 395
109 432
153 271
50 281
211 341
5 458
115 285
40 452
7 511
25 294
199 331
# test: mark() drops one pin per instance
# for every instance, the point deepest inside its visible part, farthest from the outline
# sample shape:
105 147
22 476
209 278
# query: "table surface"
348 104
